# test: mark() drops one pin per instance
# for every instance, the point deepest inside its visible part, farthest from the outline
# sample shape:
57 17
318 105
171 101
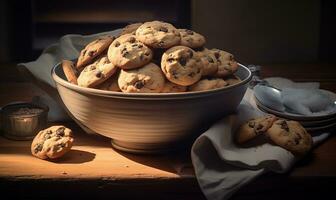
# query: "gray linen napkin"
222 168
68 48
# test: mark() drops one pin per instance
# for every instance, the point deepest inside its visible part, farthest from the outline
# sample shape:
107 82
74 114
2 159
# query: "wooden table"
94 169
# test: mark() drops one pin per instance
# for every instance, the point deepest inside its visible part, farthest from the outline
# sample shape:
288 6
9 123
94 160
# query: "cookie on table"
147 79
70 71
126 52
158 34
254 127
170 87
96 73
208 84
130 29
232 79
191 39
226 63
181 65
111 84
291 136
92 50
209 62
52 143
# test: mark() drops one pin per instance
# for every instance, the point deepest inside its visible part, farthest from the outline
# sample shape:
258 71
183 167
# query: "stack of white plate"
316 123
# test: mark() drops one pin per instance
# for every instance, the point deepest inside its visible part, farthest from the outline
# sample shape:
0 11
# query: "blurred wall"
261 31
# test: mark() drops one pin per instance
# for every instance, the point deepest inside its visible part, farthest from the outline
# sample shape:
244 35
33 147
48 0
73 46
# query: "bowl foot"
143 148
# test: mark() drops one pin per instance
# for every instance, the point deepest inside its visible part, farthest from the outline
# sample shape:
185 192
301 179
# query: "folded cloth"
68 47
309 102
222 168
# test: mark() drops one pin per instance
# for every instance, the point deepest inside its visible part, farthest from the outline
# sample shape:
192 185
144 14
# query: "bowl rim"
150 96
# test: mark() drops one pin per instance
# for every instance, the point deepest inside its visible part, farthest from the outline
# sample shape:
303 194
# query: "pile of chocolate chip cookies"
287 134
152 57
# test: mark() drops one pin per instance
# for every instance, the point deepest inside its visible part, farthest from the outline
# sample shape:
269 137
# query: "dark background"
255 31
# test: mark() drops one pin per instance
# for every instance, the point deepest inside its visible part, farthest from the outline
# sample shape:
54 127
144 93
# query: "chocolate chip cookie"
170 87
209 62
92 50
147 79
128 53
254 127
291 136
226 63
96 73
111 84
130 29
181 65
158 34
52 142
70 71
208 84
191 39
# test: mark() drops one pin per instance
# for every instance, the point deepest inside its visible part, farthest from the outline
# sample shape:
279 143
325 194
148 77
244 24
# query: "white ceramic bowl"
148 123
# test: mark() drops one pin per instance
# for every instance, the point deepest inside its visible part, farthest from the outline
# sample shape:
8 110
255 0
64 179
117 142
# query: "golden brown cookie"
52 142
290 135
111 84
254 127
92 50
208 84
126 52
130 29
226 63
191 39
209 62
170 87
181 65
70 71
96 73
158 34
147 79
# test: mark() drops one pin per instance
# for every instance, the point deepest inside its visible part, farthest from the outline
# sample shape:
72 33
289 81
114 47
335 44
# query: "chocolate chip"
92 67
259 128
60 131
124 54
191 54
174 73
217 55
161 43
117 44
170 60
182 61
283 125
91 53
251 124
131 39
38 147
123 50
192 74
140 45
189 32
163 29
210 60
99 74
47 136
139 85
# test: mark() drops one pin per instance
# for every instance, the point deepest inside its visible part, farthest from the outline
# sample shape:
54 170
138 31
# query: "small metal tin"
22 121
